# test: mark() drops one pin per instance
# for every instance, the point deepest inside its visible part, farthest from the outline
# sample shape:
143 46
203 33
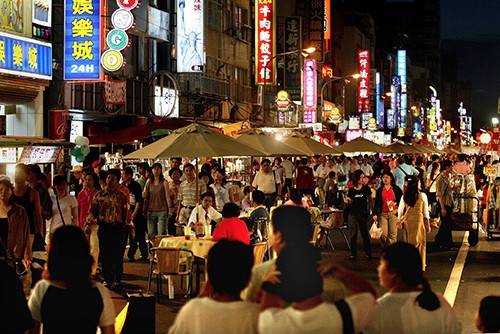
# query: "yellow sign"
490 171
112 60
11 15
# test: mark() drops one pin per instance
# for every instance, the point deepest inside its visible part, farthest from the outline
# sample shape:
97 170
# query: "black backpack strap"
401 169
346 314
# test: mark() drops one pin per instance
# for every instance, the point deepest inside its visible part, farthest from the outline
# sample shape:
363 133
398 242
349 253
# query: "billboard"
25 57
401 72
83 28
12 16
158 24
265 44
293 41
364 80
310 91
189 37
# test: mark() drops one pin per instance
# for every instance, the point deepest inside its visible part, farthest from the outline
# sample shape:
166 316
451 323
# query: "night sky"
476 24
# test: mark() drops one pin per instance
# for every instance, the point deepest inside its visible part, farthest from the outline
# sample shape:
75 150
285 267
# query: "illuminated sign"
364 80
310 91
313 26
127 4
282 101
122 19
391 119
8 155
354 123
166 102
365 119
112 60
265 20
82 39
25 57
190 38
379 104
117 39
401 72
353 134
41 12
326 71
327 32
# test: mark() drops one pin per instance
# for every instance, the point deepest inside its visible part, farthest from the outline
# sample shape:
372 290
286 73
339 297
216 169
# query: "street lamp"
304 52
329 80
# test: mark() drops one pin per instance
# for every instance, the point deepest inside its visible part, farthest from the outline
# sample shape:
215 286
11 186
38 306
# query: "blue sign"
25 57
379 104
401 72
82 40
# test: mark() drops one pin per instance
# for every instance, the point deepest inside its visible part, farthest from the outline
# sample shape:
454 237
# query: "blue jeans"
157 223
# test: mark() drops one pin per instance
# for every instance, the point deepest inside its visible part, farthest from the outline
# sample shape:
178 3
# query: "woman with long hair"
431 181
410 306
66 300
359 204
64 206
157 202
413 216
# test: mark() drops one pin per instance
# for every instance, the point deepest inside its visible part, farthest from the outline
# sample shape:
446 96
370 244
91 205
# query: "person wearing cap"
76 180
299 282
97 166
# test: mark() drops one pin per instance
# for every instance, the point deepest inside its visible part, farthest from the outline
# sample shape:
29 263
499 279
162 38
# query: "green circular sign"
117 39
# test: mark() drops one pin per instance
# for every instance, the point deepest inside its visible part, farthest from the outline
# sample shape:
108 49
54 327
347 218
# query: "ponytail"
427 299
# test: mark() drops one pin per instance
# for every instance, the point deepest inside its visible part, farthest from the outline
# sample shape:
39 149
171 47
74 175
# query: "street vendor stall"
258 139
361 144
308 145
401 148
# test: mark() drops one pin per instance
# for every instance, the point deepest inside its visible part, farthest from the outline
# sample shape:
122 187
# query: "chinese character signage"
314 26
326 71
293 42
82 40
190 39
401 72
364 80
25 57
310 91
379 106
265 21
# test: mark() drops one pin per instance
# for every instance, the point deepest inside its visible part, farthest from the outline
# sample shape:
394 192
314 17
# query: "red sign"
495 139
364 80
127 4
326 71
264 47
59 124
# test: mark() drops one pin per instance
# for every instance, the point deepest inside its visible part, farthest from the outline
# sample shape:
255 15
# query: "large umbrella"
361 144
194 140
424 148
398 147
258 139
308 145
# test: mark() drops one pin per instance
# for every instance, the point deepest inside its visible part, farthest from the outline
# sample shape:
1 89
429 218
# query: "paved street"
480 277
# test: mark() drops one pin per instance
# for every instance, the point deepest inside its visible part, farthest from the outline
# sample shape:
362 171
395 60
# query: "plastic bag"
375 232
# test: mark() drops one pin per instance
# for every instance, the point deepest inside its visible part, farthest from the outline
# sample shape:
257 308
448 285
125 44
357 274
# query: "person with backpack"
302 287
410 306
404 169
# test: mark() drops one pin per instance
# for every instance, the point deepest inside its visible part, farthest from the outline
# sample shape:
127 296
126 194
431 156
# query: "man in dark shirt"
136 203
305 178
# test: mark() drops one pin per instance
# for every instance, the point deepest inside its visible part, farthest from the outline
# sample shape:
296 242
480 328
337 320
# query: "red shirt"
305 178
232 229
387 195
84 198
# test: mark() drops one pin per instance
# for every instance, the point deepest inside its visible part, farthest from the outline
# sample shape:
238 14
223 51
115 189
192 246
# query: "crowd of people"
85 221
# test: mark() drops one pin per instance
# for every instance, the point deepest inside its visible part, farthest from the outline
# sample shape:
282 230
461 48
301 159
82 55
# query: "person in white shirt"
410 306
298 281
220 191
219 308
366 168
64 206
289 168
204 213
265 181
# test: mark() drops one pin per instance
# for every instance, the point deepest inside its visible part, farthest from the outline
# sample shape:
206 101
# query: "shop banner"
364 80
82 39
293 42
25 57
190 38
265 44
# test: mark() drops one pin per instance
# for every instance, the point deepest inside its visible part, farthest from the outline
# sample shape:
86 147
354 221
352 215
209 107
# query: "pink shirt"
232 229
84 199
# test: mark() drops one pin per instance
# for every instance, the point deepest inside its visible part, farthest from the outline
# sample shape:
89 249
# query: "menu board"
8 155
40 154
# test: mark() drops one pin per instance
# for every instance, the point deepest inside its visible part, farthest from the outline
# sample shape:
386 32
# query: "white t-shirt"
265 182
322 171
66 203
35 303
221 195
204 216
324 318
399 313
367 169
205 315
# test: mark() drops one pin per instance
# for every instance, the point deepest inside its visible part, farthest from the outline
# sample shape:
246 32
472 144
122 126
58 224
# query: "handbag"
375 232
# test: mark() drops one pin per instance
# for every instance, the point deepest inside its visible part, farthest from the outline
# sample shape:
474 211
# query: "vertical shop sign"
82 39
310 91
265 21
401 72
190 37
314 27
364 80
293 42
379 106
